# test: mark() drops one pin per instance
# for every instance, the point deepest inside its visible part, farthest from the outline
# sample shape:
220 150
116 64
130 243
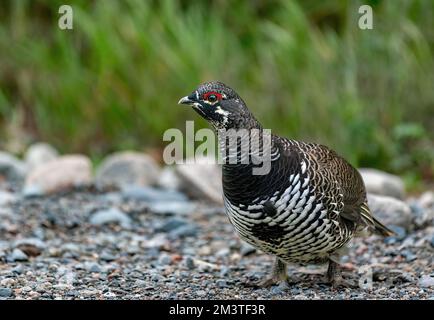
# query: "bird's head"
221 106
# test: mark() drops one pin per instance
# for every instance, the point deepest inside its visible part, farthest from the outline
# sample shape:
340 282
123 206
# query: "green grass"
304 68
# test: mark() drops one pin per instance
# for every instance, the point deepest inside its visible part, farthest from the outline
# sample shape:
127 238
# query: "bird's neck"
249 163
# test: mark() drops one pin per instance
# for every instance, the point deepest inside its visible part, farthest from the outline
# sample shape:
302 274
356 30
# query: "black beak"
188 100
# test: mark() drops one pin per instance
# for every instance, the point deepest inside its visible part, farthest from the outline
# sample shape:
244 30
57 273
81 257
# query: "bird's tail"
378 227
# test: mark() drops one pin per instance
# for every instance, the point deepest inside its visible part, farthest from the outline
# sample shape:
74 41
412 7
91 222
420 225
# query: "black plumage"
309 205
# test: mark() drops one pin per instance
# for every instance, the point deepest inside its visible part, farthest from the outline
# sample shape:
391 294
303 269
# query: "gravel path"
61 247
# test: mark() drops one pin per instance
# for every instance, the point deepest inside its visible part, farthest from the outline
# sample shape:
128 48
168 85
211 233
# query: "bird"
305 210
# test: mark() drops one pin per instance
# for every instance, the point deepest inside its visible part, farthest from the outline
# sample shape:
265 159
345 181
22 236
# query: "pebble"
400 234
150 194
172 224
189 263
164 260
5 292
224 252
112 215
184 231
108 257
247 249
426 282
408 255
17 255
222 283
94 268
172 208
32 242
201 293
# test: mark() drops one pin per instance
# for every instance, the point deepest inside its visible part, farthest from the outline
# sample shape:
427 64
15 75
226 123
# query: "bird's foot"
335 279
339 282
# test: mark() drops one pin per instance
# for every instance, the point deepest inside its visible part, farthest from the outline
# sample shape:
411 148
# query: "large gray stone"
11 168
168 179
390 211
127 168
40 153
383 183
61 174
201 180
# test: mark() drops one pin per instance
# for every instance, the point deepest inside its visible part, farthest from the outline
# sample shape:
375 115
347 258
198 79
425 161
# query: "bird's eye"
212 98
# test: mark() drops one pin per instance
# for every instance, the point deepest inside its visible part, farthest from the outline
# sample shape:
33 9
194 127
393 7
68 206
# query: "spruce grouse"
305 209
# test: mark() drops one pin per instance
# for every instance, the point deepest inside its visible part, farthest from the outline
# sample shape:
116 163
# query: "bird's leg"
278 275
331 272
334 277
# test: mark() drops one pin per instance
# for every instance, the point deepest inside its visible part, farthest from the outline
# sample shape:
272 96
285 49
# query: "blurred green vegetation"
304 67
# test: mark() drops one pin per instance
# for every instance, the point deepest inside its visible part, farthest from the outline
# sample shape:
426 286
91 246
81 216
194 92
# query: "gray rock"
127 168
222 283
34 242
426 282
247 249
17 255
390 211
201 180
39 153
164 259
11 168
189 263
423 209
5 292
94 268
30 246
426 200
7 198
408 255
168 179
112 215
223 252
60 174
382 183
201 293
32 191
184 231
172 224
400 234
432 241
173 207
108 257
150 194
70 247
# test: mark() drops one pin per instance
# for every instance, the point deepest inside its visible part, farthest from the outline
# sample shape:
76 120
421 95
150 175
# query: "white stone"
201 180
382 183
39 153
127 168
61 174
390 211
